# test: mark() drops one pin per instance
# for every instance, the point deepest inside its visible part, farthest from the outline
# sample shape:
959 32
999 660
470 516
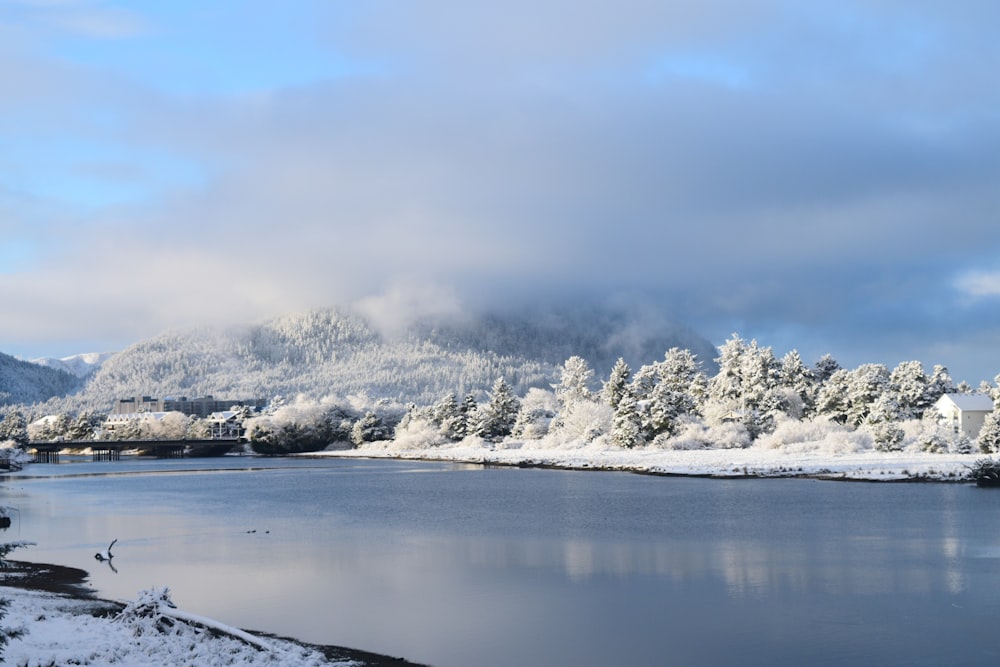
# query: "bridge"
111 450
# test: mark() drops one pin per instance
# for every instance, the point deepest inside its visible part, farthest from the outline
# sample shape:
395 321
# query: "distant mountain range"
80 365
335 352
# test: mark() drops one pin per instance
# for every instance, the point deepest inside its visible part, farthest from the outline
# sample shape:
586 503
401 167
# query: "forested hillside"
332 352
24 382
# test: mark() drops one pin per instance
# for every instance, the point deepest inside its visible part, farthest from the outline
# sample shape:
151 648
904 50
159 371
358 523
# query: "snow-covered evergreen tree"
626 427
574 382
799 379
666 391
14 427
747 387
882 421
726 386
83 426
495 419
886 436
941 383
912 389
832 400
824 368
991 390
370 428
989 435
617 383
469 409
447 414
867 383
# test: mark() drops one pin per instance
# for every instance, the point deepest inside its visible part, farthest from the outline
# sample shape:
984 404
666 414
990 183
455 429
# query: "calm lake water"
457 565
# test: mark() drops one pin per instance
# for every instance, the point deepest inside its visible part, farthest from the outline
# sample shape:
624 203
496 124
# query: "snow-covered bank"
867 464
51 620
65 630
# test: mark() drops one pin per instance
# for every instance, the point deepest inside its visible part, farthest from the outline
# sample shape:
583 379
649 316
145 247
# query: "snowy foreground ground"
867 465
63 630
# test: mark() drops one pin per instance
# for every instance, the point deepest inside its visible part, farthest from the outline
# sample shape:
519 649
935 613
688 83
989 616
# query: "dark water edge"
71 582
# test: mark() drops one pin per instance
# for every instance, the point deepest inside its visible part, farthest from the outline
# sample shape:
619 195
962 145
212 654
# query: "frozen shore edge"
755 463
39 591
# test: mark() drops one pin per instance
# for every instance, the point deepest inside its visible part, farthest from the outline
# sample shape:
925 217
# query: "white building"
964 412
226 424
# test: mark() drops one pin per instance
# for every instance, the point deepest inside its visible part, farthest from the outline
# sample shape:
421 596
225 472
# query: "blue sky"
822 176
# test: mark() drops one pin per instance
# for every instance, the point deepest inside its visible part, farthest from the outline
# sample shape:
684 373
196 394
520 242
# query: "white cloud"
492 152
979 283
402 304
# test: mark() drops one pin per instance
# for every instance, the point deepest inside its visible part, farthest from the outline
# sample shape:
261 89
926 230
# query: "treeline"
755 398
674 404
15 427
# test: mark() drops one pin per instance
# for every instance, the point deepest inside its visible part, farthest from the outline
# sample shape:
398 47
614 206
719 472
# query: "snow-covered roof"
969 402
141 416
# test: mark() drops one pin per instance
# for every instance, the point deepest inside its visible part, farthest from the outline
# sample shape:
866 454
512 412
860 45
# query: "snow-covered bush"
930 435
697 434
171 426
301 426
985 471
538 408
585 423
418 433
15 452
821 435
887 436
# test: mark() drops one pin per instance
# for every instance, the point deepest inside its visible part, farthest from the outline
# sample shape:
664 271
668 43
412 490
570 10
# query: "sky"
823 175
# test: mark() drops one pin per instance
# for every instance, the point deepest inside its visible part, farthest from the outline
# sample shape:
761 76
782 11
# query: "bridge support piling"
109 454
46 456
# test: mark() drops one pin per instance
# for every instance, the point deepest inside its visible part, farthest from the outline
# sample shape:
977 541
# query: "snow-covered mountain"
80 365
25 382
335 352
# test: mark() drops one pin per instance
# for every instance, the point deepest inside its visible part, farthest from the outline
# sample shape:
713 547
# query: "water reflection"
539 567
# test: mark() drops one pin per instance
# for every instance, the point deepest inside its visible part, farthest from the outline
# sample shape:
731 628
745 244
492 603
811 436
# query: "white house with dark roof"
226 424
964 412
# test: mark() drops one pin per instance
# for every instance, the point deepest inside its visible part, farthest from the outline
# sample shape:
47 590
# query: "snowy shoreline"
752 462
64 623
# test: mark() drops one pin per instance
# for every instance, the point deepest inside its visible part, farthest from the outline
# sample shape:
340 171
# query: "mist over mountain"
599 334
336 352
25 382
